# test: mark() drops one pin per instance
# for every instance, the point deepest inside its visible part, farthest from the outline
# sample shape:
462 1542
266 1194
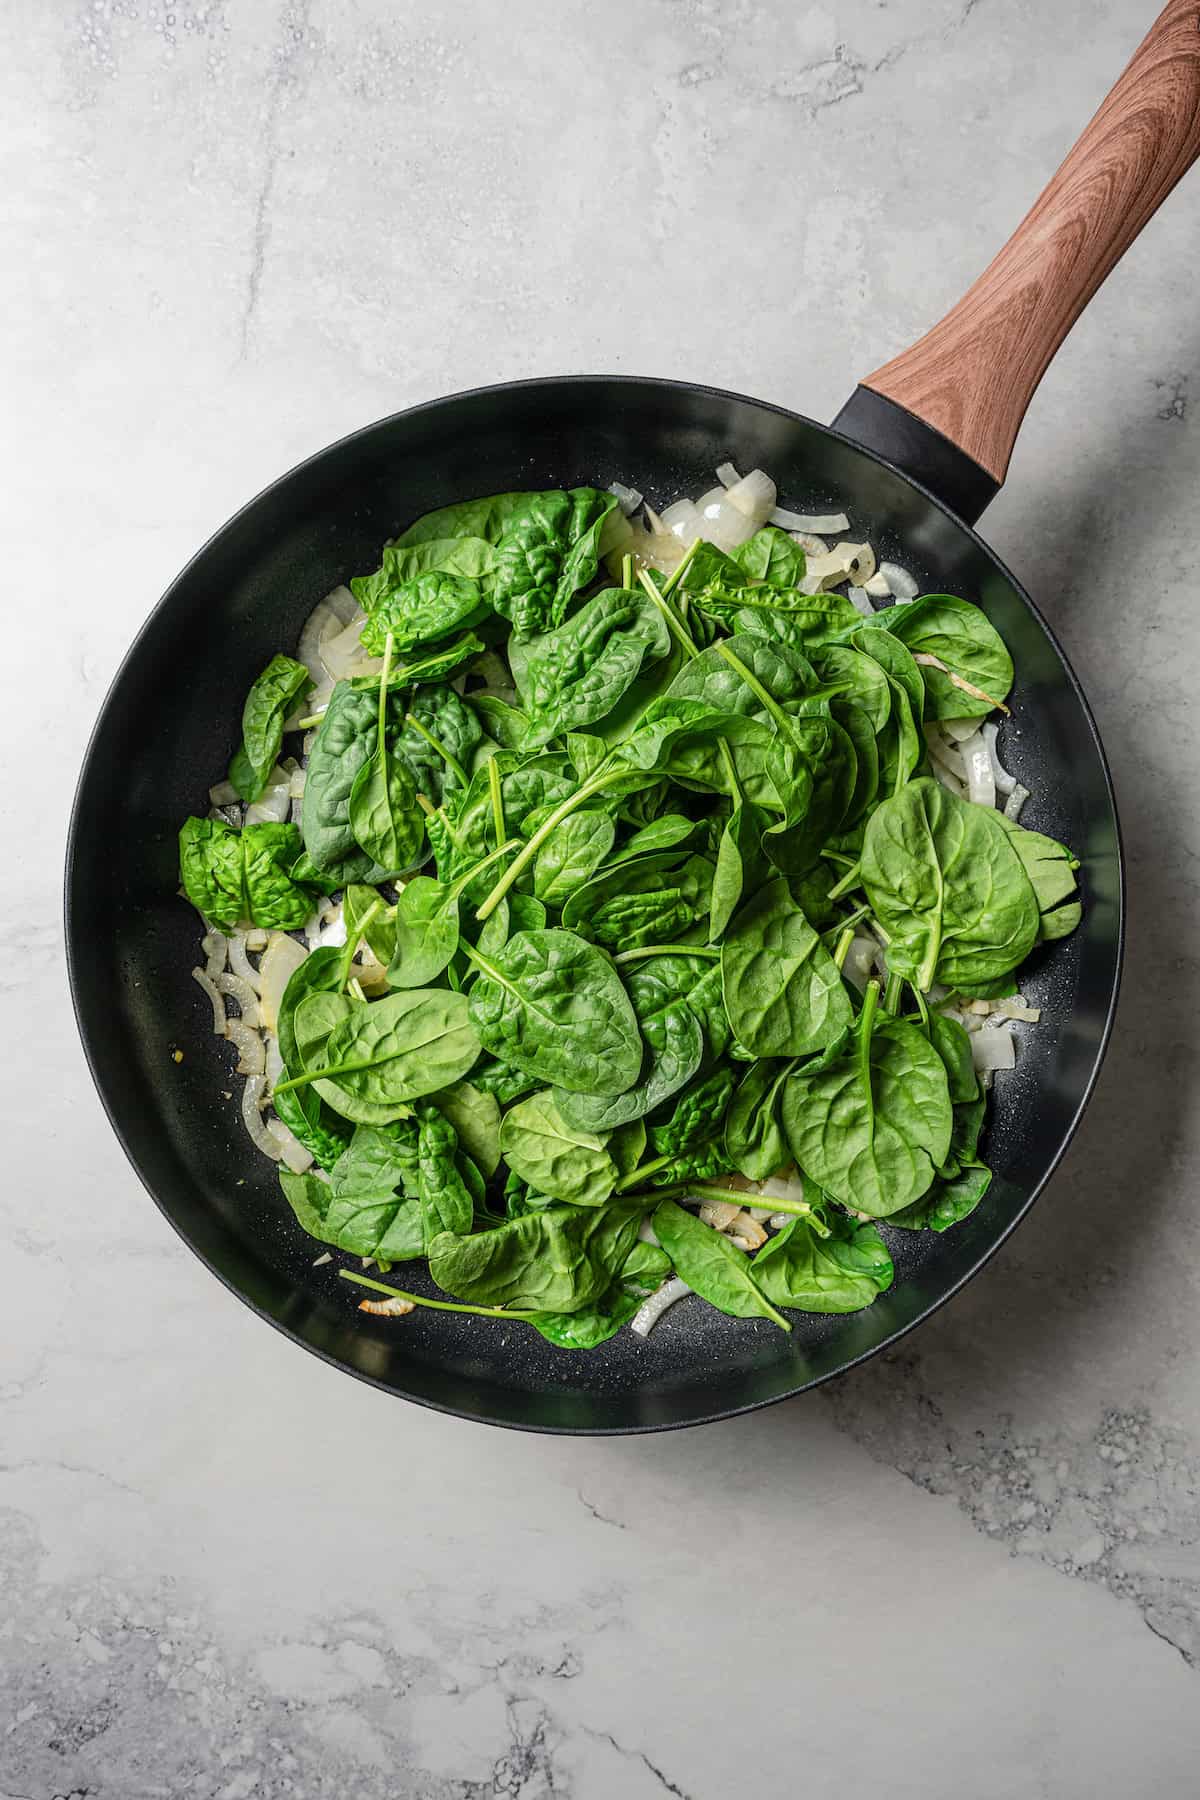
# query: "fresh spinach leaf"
422 610
555 1157
783 992
577 673
838 1272
674 1047
754 1140
557 1259
963 638
870 1119
571 854
268 703
234 876
711 1265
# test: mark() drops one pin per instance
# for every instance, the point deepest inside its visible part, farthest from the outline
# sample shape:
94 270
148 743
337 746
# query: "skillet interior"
166 732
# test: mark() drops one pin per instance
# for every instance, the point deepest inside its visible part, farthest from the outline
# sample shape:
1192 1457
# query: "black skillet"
915 456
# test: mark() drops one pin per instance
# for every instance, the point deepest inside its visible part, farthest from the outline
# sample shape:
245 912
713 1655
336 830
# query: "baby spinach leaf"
467 556
947 885
674 1047
953 1045
556 1259
475 1116
506 724
390 1052
962 637
267 705
555 1157
801 622
571 854
814 769
771 556
947 1203
783 992
666 832
577 672
754 1140
445 1200
711 1266
231 876
1051 868
591 1325
344 745
422 610
384 816
741 866
554 1006
861 679
839 1272
373 1208
870 1119
696 1116
426 932
308 1196
440 714
646 1265
314 1125
434 664
627 1145
653 900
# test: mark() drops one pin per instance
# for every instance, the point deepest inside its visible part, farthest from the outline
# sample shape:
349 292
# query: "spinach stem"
680 569
485 862
849 881
856 918
381 1287
354 938
595 784
731 774
312 721
678 631
497 795
922 1006
648 1168
757 688
627 571
383 691
708 1190
451 762
843 944
866 1026
628 956
891 993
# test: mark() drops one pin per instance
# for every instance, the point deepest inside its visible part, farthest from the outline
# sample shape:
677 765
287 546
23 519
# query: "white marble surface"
234 232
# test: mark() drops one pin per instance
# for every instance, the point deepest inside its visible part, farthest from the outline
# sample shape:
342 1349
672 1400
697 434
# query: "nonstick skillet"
913 457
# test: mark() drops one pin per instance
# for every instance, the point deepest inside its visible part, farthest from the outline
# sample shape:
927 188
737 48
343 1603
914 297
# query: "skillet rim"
95 1059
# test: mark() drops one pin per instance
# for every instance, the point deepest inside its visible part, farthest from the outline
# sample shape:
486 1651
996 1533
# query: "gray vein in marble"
1117 1504
293 33
664 1781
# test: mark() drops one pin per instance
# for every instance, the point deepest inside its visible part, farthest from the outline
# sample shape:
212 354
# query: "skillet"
913 457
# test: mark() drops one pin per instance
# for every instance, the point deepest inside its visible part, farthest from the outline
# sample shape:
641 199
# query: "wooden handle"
974 374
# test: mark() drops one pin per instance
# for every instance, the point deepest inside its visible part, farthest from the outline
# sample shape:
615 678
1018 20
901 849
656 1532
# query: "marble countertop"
234 232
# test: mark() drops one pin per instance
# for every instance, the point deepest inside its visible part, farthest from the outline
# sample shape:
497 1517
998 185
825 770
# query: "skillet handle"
948 409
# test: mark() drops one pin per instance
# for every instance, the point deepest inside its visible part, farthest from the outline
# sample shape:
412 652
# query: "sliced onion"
256 940
252 1101
981 783
291 1150
235 987
372 974
311 707
822 522
252 1056
628 499
281 958
860 600
214 995
727 475
721 522
745 1232
683 521
777 1221
325 617
900 582
877 586
333 929
860 959
215 946
274 803
296 781
993 1048
1015 801
811 546
1005 783
274 1056
344 656
949 781
958 730
719 1213
224 794
754 496
240 963
946 754
1017 1008
651 1311
616 534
